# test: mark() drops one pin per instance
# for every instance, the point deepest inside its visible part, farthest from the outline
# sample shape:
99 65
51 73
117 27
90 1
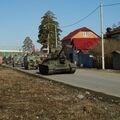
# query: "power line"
82 18
107 5
111 4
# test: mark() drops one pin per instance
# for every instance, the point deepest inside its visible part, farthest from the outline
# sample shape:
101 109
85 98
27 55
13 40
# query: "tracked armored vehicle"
17 61
31 61
56 63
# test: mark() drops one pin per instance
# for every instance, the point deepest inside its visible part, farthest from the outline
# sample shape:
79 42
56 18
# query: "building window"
85 34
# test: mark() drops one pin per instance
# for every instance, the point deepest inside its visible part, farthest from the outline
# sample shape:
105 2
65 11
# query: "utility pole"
48 46
102 34
48 39
55 36
55 30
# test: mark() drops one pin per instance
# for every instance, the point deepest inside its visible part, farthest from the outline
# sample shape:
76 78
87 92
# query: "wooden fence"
108 62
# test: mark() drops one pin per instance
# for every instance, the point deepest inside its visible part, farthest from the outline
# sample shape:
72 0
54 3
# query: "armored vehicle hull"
55 66
31 62
46 70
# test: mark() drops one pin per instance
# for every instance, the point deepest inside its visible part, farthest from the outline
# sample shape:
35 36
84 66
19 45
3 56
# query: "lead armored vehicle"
56 63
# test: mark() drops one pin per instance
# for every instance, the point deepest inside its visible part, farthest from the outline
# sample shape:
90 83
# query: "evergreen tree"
27 45
49 31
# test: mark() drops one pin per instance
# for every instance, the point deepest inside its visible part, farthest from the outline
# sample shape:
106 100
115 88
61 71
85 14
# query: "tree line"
48 33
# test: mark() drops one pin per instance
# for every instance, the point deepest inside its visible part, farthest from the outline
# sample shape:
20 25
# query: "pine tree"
27 45
49 31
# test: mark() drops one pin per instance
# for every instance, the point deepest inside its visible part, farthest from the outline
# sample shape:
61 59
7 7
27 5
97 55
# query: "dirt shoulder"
24 97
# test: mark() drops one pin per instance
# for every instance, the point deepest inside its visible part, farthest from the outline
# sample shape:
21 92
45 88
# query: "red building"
82 40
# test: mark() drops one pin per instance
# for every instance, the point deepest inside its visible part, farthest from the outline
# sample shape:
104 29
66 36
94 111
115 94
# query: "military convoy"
55 62
27 61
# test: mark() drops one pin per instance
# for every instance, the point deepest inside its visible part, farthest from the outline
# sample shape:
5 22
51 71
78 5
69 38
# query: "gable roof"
82 43
72 34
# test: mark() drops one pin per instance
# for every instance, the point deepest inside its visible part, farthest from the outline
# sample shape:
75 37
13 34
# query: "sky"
21 18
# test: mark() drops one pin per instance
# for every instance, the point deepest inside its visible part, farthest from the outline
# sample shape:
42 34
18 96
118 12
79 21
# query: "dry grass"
24 97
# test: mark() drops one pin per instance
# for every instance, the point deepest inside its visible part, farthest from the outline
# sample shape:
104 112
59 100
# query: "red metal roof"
72 34
85 44
82 43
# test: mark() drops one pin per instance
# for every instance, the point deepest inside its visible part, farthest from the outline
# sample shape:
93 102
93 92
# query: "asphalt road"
102 81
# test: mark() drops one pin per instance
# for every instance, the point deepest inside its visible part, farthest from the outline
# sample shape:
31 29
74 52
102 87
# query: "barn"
82 41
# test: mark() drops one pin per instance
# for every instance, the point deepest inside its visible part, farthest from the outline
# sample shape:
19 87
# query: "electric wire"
111 4
107 5
82 18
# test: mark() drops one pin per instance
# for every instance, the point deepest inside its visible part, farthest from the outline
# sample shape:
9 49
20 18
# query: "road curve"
104 81
97 80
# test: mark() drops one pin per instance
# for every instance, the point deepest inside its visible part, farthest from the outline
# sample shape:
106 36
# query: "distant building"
7 52
82 41
113 33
